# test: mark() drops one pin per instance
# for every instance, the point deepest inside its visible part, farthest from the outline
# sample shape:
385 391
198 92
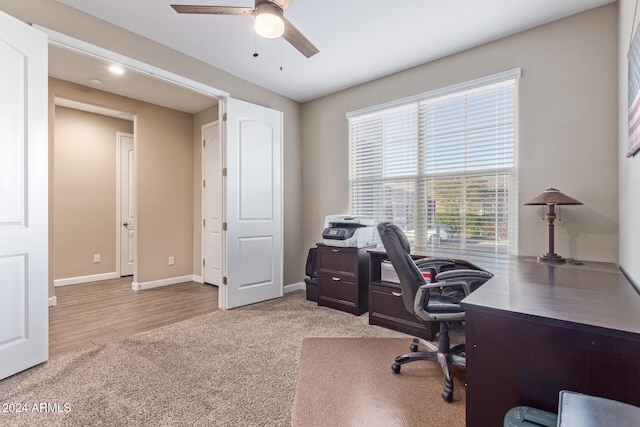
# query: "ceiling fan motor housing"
268 20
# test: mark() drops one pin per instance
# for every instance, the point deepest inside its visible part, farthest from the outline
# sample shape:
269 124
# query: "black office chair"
438 301
436 265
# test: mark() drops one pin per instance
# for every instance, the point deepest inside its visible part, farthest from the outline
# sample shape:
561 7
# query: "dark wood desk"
534 330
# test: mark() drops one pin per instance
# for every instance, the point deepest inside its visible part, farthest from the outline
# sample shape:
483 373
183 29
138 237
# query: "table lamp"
552 197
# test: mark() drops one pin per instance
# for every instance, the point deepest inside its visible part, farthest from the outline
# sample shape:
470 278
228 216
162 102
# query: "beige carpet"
226 368
349 382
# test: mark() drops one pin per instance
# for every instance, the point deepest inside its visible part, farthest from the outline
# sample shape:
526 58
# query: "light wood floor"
95 313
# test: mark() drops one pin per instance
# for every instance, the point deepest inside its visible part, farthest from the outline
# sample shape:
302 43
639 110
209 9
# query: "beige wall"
629 167
567 134
164 187
84 192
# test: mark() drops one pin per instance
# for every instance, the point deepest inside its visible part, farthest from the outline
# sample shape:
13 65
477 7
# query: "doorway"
169 211
86 191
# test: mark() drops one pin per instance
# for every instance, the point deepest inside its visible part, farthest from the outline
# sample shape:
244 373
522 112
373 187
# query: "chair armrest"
464 273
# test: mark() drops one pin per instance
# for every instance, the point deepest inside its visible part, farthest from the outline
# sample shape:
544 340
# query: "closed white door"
212 205
24 267
127 204
253 204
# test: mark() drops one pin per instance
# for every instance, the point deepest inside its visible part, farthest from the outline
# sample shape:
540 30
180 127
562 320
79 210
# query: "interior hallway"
95 313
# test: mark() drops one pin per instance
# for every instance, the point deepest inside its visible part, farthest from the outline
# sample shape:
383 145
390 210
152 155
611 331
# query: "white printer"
347 230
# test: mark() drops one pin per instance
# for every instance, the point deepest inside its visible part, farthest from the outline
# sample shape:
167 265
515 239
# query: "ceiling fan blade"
212 10
297 40
282 4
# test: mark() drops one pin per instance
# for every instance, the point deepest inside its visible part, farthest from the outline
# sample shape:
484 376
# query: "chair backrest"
398 251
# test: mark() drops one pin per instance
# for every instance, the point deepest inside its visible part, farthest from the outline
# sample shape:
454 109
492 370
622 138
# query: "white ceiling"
359 40
92 71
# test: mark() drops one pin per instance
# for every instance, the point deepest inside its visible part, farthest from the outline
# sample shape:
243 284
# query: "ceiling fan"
269 21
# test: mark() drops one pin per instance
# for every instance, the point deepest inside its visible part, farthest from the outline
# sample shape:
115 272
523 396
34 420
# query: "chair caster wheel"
395 368
413 347
447 396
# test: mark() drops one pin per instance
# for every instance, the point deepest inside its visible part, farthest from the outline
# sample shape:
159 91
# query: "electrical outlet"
172 260
96 258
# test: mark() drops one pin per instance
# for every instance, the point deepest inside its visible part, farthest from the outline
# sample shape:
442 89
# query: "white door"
127 204
24 267
253 204
212 205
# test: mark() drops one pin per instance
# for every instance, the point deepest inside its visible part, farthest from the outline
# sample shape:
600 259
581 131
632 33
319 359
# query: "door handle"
126 224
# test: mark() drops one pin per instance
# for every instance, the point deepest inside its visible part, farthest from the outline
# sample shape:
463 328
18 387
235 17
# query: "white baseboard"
84 279
198 279
294 287
53 301
162 282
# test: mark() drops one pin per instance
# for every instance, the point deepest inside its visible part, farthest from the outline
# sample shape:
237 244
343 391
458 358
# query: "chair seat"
439 303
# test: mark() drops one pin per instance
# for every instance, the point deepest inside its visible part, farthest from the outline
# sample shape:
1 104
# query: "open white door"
127 203
253 204
212 204
24 265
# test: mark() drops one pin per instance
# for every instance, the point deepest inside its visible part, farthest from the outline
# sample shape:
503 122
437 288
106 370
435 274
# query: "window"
442 166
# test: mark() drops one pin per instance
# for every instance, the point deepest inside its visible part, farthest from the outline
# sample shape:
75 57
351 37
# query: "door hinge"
224 226
204 142
224 171
204 184
224 117
203 262
224 280
204 222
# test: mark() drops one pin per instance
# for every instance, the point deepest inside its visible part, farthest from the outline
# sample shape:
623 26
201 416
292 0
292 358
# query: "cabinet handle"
335 279
396 294
335 250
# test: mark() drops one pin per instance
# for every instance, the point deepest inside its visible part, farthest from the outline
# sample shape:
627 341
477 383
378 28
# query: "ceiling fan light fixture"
268 21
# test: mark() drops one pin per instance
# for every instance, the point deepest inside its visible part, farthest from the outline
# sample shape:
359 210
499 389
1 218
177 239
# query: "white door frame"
79 46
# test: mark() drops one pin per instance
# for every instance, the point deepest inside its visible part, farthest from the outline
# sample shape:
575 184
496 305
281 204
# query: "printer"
347 231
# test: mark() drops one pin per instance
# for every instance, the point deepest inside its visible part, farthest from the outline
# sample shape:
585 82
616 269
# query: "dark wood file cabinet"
386 307
343 278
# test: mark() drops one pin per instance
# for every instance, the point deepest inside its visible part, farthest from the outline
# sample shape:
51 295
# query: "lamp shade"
268 20
552 196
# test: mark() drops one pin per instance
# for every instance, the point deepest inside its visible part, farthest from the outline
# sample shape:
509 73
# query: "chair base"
441 353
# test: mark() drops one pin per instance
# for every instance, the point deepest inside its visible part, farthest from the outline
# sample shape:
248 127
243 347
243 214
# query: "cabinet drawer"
387 302
388 310
338 260
337 288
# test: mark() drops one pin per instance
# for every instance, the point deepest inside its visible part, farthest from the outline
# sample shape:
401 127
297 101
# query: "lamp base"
551 258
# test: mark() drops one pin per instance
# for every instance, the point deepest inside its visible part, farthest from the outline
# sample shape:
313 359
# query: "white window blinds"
442 166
